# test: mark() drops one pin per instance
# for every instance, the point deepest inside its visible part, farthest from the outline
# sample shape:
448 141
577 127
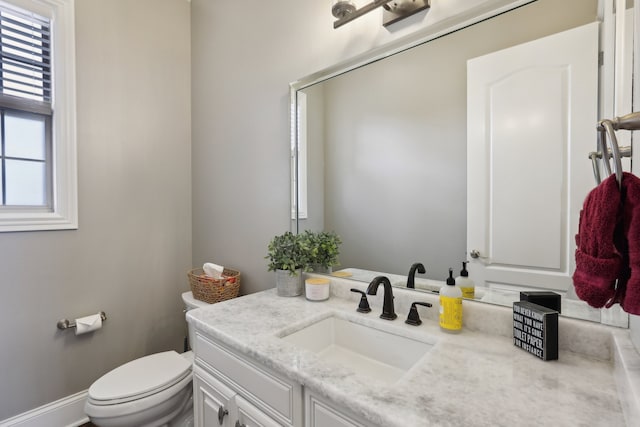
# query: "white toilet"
152 391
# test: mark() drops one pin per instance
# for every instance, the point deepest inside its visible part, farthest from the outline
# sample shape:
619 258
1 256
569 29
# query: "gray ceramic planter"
288 285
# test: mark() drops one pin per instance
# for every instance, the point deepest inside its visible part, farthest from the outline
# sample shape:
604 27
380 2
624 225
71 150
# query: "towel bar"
607 128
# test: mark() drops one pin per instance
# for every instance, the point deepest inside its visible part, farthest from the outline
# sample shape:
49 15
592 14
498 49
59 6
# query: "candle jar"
317 289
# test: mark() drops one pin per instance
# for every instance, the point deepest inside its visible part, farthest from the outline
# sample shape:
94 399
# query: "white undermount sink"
363 349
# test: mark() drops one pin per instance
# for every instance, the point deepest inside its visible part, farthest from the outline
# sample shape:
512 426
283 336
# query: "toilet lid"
142 376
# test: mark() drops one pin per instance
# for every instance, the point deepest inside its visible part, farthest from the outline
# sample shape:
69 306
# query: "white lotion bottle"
465 284
450 306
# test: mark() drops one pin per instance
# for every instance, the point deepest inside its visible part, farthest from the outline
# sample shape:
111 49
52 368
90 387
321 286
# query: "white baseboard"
66 412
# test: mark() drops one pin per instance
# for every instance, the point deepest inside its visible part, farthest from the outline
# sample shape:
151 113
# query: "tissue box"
535 329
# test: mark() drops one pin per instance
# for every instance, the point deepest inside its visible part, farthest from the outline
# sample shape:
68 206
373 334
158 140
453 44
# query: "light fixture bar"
359 12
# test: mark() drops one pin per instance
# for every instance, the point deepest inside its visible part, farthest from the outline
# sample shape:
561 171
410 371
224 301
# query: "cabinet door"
532 115
213 402
321 414
250 416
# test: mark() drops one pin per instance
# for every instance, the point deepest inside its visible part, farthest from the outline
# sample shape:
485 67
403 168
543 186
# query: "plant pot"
288 285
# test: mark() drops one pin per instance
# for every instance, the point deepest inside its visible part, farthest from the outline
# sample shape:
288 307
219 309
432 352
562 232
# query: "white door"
531 120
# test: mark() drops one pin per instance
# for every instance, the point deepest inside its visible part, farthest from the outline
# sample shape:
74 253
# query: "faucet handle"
363 307
414 318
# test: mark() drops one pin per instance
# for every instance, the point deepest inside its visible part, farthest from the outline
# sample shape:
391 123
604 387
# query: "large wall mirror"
382 147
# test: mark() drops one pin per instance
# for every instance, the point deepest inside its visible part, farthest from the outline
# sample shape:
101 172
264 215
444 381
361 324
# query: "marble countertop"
472 378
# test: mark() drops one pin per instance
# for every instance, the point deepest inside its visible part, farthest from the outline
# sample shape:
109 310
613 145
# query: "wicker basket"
208 289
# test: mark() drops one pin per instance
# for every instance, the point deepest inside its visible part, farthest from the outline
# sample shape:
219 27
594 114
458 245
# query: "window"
25 159
38 188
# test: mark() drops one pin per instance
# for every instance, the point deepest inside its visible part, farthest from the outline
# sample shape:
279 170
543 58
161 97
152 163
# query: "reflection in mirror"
385 164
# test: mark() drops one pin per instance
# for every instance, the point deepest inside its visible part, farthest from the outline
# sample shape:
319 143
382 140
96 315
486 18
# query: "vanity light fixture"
394 10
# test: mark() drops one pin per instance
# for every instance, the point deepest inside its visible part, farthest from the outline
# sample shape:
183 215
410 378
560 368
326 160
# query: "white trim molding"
68 412
64 214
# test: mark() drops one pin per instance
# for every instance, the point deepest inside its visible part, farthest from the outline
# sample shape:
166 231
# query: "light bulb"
342 8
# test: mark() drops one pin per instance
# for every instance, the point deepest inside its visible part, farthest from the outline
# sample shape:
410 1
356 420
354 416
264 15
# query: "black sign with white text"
535 329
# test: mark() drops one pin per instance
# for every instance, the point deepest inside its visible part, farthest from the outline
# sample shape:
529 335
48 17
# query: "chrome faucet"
388 311
412 274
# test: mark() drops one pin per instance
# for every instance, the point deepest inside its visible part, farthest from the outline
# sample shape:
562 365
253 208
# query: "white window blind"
25 61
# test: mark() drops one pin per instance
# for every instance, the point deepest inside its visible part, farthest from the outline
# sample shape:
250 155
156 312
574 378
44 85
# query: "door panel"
532 113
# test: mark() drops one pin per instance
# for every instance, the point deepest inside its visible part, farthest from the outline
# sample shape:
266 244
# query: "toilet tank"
190 303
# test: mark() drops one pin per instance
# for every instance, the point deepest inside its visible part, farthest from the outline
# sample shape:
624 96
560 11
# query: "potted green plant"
288 257
324 248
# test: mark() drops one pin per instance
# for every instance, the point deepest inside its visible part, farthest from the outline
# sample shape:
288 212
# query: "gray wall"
396 146
241 116
133 247
240 124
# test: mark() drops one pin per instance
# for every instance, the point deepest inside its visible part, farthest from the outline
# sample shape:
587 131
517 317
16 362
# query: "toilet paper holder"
67 324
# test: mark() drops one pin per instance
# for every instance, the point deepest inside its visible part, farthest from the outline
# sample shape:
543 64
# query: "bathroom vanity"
260 361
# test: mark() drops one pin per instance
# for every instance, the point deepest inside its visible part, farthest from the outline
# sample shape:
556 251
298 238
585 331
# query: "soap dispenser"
450 306
465 284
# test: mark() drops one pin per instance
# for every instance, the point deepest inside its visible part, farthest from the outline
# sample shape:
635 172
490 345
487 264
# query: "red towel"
608 245
598 262
628 291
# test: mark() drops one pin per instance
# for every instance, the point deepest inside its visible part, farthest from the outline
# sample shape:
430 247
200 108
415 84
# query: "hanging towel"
628 289
598 262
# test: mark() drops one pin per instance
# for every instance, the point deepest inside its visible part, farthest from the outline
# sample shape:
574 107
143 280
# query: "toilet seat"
143 410
140 378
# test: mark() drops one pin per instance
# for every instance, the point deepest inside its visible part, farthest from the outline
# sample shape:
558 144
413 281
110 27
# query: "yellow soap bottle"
450 306
465 284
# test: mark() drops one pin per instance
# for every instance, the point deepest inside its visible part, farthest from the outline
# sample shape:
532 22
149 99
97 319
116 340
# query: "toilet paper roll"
88 324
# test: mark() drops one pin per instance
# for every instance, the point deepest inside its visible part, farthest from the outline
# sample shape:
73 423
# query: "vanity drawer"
276 395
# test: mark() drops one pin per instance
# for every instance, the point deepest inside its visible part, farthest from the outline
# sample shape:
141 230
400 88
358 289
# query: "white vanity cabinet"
217 405
232 391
